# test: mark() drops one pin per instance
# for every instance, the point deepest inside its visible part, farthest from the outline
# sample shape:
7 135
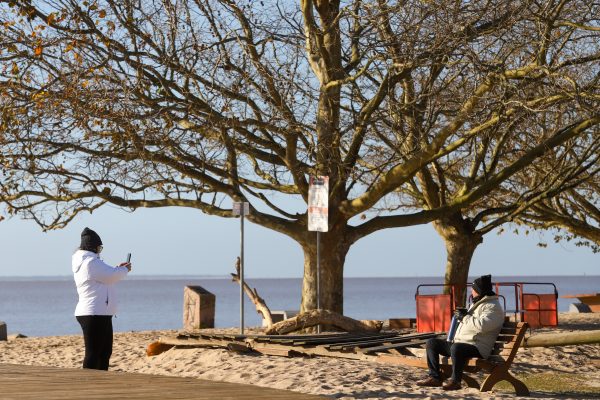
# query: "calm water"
38 307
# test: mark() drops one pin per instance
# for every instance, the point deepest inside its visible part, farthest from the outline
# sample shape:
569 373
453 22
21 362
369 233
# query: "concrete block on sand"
198 308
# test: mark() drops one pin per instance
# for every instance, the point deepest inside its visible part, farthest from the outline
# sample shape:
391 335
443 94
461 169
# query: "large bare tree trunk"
461 242
324 45
334 248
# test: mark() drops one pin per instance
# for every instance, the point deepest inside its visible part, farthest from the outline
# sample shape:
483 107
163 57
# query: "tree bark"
323 317
461 241
334 248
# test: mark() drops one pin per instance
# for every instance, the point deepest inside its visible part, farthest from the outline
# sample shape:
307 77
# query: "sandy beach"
576 366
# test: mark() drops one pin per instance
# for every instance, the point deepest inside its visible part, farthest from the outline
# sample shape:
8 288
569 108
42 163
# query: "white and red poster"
318 204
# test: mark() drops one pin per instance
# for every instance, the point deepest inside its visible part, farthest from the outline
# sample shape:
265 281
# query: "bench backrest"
510 339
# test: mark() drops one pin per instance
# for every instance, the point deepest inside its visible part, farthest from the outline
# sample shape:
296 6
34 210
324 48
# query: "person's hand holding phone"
127 264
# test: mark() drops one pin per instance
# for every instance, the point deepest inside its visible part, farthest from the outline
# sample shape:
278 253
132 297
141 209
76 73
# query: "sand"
335 378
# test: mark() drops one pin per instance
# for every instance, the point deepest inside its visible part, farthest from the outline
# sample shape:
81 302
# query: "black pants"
460 353
98 338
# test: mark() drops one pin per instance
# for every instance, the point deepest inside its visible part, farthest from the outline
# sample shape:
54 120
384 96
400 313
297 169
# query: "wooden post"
198 308
3 333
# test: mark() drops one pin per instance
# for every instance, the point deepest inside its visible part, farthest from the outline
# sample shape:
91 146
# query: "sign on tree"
318 204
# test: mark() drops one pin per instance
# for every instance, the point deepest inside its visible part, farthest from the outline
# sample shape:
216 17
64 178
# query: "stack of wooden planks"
344 345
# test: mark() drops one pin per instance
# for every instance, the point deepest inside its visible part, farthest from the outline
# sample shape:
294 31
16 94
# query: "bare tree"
574 214
194 103
523 198
512 127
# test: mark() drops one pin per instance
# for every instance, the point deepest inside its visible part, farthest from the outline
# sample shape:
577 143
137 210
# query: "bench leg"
470 381
498 375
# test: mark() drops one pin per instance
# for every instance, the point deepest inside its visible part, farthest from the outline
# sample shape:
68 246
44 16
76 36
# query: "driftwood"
563 339
323 317
259 303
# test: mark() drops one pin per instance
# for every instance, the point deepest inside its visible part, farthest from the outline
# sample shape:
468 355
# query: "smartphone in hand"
128 257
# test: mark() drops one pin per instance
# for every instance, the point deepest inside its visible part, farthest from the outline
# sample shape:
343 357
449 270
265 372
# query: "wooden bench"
496 366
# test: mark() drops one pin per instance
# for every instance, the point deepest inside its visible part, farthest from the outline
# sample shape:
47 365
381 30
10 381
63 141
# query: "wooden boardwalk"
21 382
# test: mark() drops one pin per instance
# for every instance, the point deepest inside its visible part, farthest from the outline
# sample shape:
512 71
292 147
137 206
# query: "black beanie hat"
483 285
90 240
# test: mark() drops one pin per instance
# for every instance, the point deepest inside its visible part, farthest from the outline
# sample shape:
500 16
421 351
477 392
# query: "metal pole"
242 270
318 275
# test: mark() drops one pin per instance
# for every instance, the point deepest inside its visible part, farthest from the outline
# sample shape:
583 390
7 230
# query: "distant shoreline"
17 278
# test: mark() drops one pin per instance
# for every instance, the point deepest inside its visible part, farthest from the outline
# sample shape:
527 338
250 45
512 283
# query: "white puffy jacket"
481 325
95 284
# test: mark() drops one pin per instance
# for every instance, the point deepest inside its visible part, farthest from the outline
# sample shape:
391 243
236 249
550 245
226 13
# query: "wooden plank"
505 353
342 340
309 351
301 336
21 382
227 338
264 337
175 341
267 347
312 339
506 336
274 350
510 355
296 339
372 342
376 349
509 345
304 336
212 336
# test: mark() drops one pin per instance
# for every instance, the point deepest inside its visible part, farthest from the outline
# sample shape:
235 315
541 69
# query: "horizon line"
175 276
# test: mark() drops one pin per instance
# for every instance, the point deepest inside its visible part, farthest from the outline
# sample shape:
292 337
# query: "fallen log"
563 339
323 317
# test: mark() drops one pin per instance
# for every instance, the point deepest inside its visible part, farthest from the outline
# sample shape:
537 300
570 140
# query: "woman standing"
97 299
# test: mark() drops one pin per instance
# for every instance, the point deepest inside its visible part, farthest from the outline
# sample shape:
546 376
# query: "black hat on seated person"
90 240
483 285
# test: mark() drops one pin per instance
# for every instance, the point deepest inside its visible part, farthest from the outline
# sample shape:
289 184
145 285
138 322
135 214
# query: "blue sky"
175 241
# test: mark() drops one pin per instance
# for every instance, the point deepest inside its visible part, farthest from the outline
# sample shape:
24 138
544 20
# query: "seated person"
475 336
